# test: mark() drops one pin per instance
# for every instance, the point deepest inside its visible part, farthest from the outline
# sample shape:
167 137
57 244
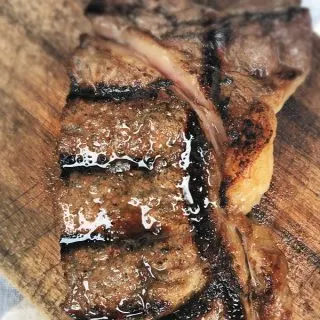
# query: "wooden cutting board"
37 37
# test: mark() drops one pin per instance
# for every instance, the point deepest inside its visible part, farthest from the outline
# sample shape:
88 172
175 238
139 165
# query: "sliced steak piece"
109 206
245 67
101 132
263 58
127 245
106 70
121 282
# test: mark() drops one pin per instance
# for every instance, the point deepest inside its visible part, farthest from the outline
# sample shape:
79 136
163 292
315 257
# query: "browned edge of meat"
271 268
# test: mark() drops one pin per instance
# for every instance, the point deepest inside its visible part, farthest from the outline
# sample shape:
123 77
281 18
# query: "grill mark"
108 166
215 40
101 91
222 283
100 7
130 244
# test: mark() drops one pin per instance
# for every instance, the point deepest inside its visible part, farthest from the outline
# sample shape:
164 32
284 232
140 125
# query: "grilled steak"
242 66
123 194
140 201
143 187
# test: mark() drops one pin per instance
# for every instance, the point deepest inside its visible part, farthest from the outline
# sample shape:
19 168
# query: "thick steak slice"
239 68
121 281
126 114
263 58
215 265
122 76
105 131
127 245
107 206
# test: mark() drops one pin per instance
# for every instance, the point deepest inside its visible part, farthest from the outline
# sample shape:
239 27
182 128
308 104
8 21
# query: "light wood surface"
37 37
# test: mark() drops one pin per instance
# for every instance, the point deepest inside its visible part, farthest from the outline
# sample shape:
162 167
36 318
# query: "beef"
179 66
233 70
125 74
129 204
174 252
103 132
263 59
109 117
118 281
124 195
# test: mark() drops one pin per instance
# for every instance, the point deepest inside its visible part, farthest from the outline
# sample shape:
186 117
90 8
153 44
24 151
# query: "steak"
132 130
236 71
124 195
166 141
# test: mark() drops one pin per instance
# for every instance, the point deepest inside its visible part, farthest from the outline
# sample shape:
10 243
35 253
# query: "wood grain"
37 39
292 205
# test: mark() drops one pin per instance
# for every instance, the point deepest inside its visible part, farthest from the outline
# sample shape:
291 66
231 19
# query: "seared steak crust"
229 65
143 187
149 227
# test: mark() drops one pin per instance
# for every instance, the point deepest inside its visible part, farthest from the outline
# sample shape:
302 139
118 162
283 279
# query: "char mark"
223 284
117 93
215 42
77 163
102 6
106 239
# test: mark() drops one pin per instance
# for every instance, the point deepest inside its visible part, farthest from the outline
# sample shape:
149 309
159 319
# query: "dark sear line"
212 78
127 244
99 7
101 91
116 165
223 284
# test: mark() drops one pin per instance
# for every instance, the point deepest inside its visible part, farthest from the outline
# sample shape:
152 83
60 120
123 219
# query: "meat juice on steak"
233 69
130 245
104 76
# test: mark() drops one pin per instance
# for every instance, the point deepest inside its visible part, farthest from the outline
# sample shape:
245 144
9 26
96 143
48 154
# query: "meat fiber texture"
237 71
143 188
122 192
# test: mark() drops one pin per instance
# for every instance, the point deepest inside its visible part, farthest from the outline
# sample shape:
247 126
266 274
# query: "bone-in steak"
235 68
160 132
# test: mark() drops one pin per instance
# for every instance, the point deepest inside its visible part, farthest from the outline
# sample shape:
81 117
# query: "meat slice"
152 265
126 116
107 206
127 245
120 281
218 264
263 59
98 133
237 72
107 70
